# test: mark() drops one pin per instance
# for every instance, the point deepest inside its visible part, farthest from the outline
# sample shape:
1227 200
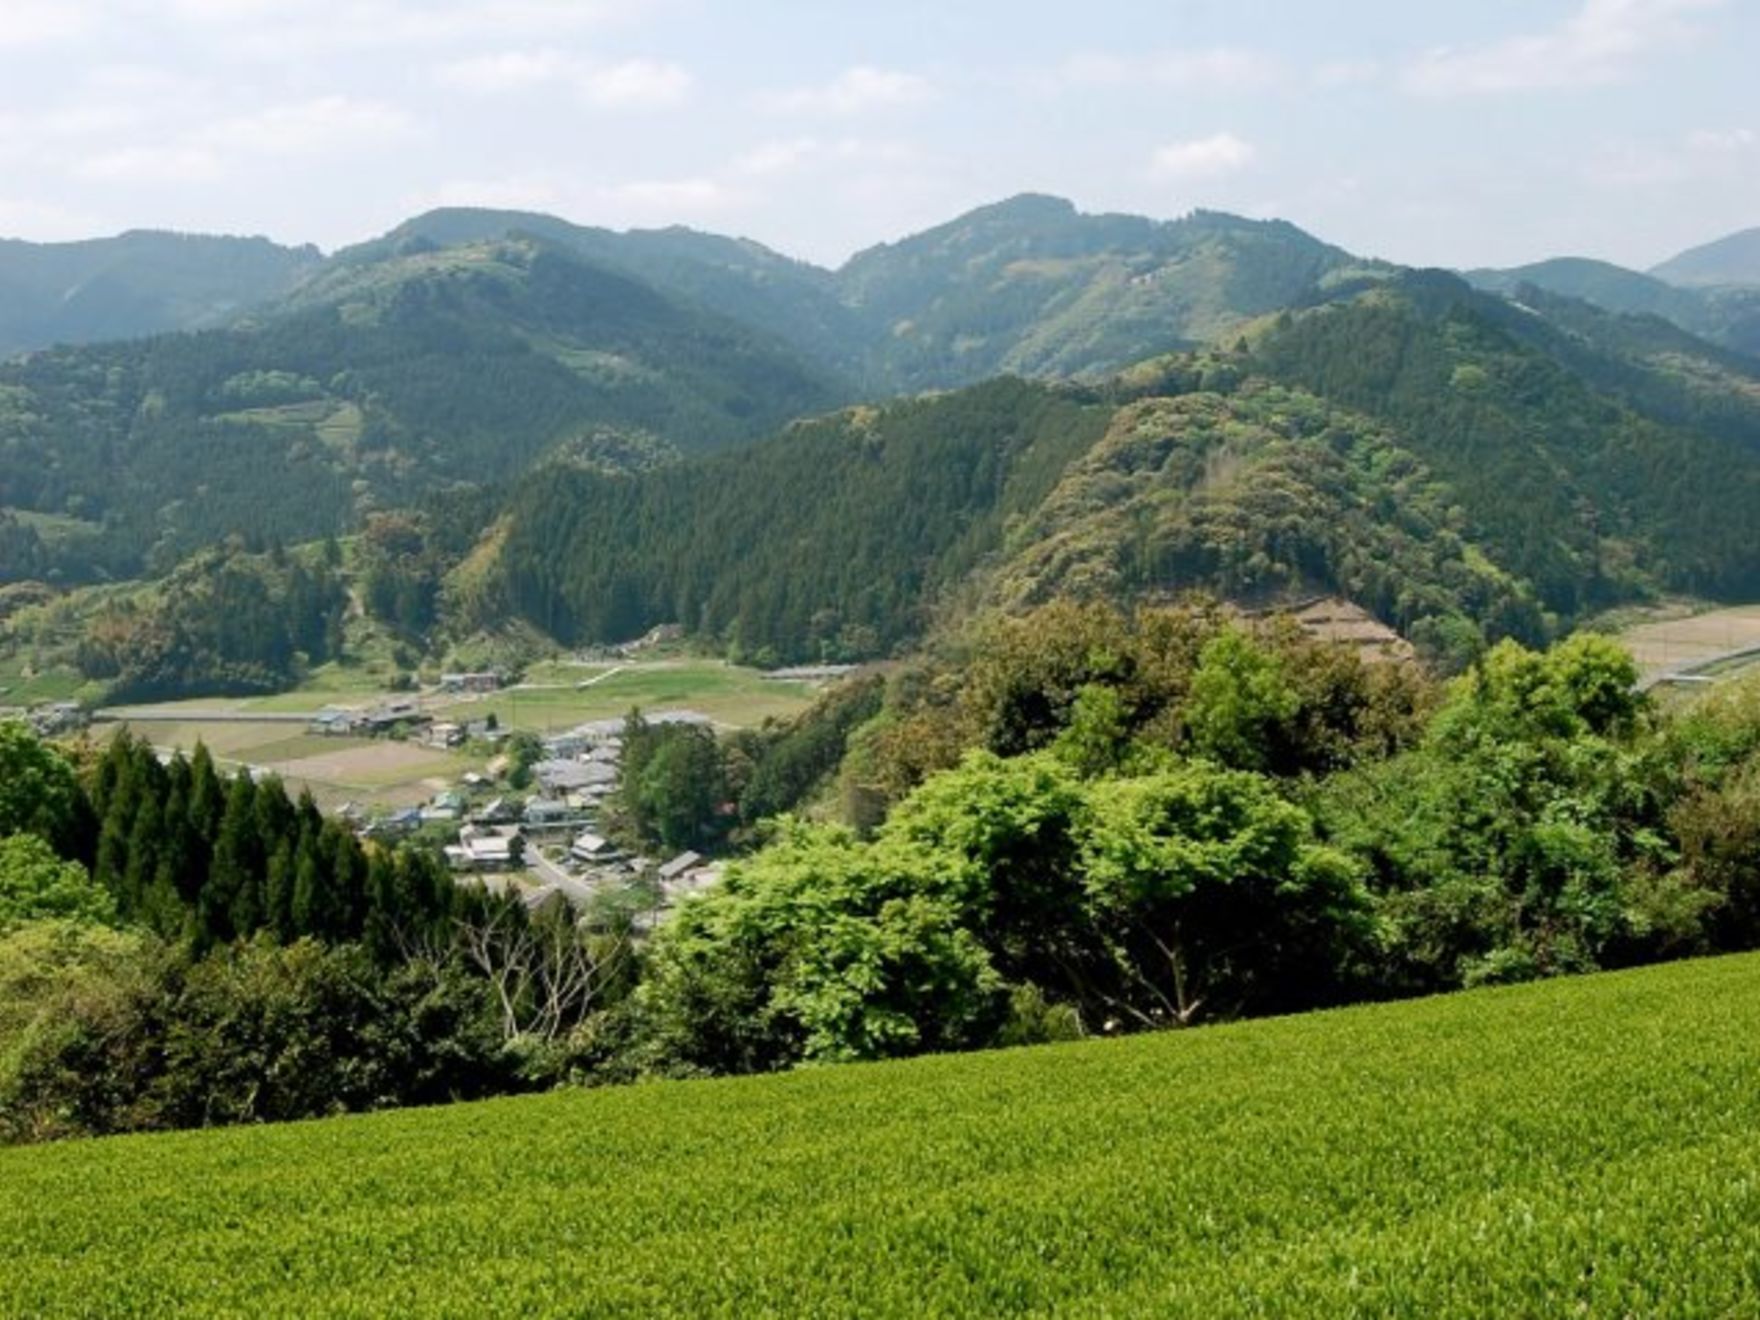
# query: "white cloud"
45 222
166 164
1346 73
1601 43
509 71
1702 154
520 192
1723 141
855 91
1202 158
1217 68
636 85
327 125
277 29
668 199
776 157
40 22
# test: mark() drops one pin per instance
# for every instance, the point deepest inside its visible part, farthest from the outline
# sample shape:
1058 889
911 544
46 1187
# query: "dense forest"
429 370
1420 449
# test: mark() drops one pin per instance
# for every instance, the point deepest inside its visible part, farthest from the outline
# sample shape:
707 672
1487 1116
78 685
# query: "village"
531 822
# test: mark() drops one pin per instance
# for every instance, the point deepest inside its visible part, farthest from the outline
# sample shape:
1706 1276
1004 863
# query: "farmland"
1668 644
1584 1146
394 774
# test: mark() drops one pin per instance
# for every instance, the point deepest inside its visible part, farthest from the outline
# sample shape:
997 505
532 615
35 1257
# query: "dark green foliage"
405 378
111 1033
1587 470
40 794
831 541
193 855
224 623
781 767
674 784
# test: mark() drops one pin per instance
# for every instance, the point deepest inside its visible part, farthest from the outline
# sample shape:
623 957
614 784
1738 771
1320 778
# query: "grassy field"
1587 1147
726 693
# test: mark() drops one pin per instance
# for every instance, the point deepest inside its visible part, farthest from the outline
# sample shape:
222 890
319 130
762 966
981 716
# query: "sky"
1438 133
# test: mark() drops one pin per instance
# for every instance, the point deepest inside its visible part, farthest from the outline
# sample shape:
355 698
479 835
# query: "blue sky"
1438 133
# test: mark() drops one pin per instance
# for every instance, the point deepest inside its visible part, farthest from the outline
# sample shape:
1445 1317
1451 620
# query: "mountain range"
1210 401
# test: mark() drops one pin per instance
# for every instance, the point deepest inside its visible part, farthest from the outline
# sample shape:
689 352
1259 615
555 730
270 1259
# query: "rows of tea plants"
1588 1146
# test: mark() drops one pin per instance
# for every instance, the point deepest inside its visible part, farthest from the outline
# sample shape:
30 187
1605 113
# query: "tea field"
1584 1147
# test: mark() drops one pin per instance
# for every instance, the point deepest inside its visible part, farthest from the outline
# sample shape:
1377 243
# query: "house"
57 718
575 776
481 849
591 849
546 812
679 866
566 746
497 811
334 722
474 779
393 717
444 734
488 680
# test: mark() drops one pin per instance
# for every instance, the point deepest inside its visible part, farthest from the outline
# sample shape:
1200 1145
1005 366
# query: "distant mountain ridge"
1030 285
1731 260
138 283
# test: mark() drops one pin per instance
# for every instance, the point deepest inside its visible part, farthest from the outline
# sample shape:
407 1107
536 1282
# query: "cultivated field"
1586 1147
554 699
1664 645
384 773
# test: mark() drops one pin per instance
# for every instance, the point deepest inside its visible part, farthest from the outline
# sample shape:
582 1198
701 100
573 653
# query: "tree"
40 794
1240 705
1213 896
37 885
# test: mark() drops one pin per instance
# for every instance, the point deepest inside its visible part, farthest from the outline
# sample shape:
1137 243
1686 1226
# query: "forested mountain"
380 382
1729 316
1733 259
1466 468
1029 286
1033 286
138 283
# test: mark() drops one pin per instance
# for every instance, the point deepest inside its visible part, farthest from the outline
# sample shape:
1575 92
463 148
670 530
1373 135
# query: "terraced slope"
1580 1147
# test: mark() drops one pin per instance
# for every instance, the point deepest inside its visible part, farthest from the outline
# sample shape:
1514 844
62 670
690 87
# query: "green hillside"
1463 467
1726 315
380 383
1029 285
1577 1147
138 283
1033 286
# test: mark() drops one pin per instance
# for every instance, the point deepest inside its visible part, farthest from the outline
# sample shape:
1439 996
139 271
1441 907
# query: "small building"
334 722
445 734
593 849
496 811
482 850
394 717
575 776
543 812
486 680
679 866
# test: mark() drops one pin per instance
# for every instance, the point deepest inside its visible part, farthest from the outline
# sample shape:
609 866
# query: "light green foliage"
1207 884
1524 836
38 791
1136 902
1239 699
1584 1147
37 885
